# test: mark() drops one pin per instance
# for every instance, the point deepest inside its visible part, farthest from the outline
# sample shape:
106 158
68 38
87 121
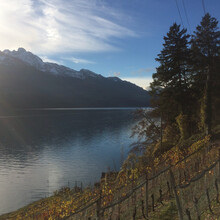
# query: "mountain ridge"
35 61
26 81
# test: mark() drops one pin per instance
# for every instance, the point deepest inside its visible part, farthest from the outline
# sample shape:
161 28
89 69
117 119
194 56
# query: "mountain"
37 62
28 82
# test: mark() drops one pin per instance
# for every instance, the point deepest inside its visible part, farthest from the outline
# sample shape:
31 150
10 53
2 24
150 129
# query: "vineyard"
187 182
192 183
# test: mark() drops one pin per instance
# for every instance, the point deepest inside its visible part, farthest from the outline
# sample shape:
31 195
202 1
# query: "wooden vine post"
142 209
188 214
219 164
208 199
173 184
146 194
161 196
119 207
98 205
152 197
217 191
134 213
168 187
195 201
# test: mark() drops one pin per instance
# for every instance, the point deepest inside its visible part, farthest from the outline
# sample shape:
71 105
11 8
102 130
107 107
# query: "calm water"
44 150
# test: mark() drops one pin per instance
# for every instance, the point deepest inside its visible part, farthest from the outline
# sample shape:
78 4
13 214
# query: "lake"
45 149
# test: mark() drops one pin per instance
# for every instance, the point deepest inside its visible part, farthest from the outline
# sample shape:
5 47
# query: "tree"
147 130
205 54
171 82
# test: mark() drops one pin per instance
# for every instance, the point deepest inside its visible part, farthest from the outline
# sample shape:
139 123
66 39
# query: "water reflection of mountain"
33 130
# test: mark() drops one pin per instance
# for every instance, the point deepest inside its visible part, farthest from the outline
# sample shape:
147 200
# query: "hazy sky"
110 37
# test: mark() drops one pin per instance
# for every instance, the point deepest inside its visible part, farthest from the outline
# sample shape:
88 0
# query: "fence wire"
196 183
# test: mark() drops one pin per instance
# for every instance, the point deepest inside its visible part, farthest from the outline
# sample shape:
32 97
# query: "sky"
110 37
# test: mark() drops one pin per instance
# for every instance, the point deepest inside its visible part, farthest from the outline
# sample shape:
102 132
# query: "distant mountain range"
28 82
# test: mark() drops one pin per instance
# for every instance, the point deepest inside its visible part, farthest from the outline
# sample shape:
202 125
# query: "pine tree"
205 55
171 81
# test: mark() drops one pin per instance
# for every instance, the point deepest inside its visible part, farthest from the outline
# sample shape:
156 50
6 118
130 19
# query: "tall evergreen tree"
205 55
171 81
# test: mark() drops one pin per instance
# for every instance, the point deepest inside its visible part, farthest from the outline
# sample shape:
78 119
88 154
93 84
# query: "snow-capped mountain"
28 82
35 61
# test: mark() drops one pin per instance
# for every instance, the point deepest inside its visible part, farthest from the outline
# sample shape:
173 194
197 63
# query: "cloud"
60 26
143 82
78 60
143 71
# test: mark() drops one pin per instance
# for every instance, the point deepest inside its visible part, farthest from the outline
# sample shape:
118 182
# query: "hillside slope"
26 84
